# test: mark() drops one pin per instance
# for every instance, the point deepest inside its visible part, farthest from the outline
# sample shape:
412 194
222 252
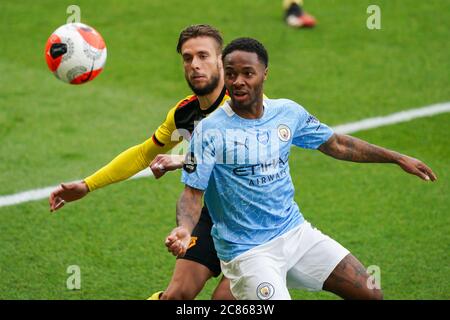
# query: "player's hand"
165 162
177 241
67 192
417 168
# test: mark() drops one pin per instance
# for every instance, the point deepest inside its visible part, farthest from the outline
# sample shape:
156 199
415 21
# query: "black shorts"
201 248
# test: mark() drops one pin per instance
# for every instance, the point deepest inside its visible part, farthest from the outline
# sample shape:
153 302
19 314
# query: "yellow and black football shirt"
183 115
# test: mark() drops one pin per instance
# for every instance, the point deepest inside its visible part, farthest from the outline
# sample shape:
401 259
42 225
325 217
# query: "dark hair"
247 45
199 30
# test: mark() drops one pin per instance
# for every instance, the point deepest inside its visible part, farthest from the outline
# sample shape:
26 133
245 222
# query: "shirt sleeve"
137 158
200 160
310 132
126 164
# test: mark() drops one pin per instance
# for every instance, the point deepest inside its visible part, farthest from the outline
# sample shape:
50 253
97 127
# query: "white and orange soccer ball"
75 53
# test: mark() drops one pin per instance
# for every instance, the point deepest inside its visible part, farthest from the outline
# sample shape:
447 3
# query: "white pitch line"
43 193
402 116
370 123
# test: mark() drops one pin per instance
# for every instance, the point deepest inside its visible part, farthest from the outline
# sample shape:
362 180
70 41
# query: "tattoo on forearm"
188 210
349 148
183 211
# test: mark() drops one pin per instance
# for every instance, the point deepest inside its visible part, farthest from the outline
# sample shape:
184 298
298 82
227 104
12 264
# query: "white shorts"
302 258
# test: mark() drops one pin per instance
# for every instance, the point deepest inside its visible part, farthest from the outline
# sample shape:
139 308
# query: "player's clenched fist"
177 241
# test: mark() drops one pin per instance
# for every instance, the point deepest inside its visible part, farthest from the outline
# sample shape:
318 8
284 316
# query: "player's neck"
253 111
208 100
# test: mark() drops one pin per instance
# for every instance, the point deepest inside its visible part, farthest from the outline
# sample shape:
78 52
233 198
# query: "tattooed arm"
344 147
189 207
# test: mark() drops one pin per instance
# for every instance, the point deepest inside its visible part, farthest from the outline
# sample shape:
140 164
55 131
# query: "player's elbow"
334 147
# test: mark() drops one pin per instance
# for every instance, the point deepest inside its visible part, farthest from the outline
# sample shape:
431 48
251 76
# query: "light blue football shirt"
242 164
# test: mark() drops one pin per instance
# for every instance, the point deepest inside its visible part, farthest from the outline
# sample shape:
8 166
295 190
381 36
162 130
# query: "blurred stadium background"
340 71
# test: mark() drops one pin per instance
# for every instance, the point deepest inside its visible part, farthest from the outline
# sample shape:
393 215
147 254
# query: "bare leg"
349 281
188 280
223 291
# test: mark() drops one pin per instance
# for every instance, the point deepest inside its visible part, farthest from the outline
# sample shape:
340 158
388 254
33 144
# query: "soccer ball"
75 53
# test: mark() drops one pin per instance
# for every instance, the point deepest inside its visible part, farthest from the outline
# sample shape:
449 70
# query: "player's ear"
266 71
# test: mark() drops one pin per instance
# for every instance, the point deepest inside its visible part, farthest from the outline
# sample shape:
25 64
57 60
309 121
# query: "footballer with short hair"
264 242
200 47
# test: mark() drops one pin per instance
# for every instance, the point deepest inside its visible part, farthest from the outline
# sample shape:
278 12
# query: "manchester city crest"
265 291
284 133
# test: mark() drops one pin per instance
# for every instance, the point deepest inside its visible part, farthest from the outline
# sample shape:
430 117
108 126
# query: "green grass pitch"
52 132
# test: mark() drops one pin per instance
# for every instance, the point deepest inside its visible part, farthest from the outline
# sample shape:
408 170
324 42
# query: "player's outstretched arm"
122 167
126 164
344 147
67 192
189 207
